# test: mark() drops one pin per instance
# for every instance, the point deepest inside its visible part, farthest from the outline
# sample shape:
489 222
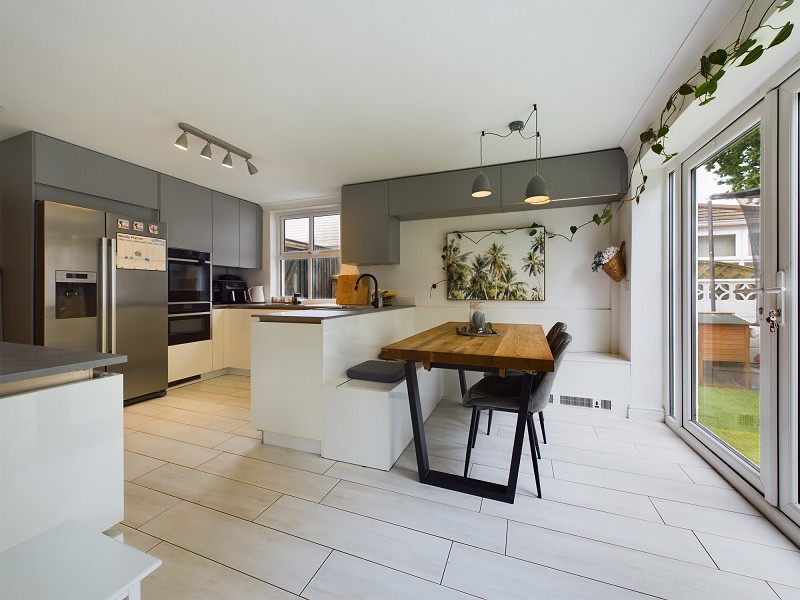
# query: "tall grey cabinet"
369 235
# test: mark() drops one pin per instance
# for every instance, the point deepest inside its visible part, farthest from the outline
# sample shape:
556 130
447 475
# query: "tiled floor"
629 511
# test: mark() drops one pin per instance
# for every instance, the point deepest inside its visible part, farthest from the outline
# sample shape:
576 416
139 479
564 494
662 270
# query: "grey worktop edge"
20 362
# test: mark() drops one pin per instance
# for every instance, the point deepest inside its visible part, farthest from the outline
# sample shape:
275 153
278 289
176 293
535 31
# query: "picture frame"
498 264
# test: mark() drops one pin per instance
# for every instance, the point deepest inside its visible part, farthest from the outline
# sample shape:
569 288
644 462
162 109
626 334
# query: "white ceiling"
324 93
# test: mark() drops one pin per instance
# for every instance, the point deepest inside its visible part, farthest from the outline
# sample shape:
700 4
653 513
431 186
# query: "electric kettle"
256 294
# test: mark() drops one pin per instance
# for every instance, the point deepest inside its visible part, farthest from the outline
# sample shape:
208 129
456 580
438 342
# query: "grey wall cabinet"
443 194
186 208
573 180
250 228
369 235
225 234
64 165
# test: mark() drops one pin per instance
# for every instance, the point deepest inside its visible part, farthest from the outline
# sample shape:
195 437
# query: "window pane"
726 399
295 235
326 232
294 277
323 270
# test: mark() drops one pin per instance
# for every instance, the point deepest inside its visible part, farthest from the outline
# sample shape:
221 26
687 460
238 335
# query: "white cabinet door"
237 338
188 360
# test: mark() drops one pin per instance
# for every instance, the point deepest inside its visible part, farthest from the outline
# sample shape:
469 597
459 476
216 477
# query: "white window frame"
310 254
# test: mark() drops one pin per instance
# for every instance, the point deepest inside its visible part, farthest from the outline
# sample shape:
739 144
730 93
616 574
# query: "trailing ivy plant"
702 86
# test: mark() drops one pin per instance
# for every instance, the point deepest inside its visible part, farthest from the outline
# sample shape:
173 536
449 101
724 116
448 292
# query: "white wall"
573 293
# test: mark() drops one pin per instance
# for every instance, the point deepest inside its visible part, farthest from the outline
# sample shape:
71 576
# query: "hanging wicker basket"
615 268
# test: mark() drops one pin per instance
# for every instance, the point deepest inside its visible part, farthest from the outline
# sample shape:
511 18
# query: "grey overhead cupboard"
186 207
371 212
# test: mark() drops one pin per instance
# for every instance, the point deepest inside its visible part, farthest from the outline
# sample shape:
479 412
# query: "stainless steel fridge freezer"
102 285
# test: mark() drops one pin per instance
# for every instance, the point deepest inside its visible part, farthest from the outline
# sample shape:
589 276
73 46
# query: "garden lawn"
733 414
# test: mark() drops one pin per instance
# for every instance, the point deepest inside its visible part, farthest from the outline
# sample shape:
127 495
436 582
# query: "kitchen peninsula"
60 440
302 398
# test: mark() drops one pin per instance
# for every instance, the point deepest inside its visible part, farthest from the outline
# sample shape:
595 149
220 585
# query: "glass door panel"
726 265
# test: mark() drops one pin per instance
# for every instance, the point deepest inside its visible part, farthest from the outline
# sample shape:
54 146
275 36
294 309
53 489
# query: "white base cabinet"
61 458
189 360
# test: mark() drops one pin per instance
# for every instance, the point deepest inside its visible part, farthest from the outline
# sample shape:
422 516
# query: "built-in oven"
188 322
189 275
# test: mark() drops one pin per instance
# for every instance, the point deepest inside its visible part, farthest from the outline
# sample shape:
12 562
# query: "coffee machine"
229 289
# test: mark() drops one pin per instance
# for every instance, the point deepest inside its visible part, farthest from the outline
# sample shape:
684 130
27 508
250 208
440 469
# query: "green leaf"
718 75
606 212
686 89
752 56
573 229
607 219
644 180
718 57
459 235
596 218
646 136
746 45
670 104
701 89
706 100
657 148
784 33
786 4
663 131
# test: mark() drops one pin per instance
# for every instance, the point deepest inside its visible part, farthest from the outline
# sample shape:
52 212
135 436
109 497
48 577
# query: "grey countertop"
19 362
271 306
317 315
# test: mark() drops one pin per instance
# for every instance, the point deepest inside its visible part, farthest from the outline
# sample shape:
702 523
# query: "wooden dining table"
516 346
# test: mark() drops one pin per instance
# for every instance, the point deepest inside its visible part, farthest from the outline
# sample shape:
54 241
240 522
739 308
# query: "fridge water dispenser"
76 294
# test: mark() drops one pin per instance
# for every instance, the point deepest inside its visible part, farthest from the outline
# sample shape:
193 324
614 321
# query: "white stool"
71 561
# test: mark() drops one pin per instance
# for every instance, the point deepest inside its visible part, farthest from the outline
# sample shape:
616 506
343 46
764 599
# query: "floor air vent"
584 402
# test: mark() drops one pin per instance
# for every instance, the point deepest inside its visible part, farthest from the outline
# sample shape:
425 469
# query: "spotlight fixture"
183 143
536 191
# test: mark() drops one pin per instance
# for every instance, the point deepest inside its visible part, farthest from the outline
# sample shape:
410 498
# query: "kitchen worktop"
317 315
20 362
286 306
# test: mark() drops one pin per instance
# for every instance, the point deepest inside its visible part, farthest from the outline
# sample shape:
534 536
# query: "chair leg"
489 426
473 427
535 440
541 422
474 435
532 438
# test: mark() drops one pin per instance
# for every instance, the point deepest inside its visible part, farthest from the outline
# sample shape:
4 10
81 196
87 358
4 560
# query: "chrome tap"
377 299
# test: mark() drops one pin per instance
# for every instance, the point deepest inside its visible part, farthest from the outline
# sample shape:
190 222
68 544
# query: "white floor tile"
681 456
654 486
494 576
466 526
148 408
753 560
706 476
184 575
305 461
136 539
137 465
176 401
636 534
271 556
345 576
664 439
191 434
403 481
168 450
624 448
785 592
191 417
220 493
647 573
142 504
132 419
749 528
285 480
409 551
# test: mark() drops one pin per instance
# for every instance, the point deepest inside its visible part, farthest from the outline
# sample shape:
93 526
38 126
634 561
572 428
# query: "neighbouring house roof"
724 270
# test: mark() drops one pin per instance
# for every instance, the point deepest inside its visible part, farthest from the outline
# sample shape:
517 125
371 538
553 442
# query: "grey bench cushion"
384 371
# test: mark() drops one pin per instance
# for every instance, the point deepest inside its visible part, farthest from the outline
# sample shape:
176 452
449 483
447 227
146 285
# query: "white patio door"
730 359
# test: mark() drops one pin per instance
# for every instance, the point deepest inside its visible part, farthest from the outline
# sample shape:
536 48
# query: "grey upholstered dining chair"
551 336
502 393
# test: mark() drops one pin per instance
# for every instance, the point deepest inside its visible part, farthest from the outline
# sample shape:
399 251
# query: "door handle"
774 317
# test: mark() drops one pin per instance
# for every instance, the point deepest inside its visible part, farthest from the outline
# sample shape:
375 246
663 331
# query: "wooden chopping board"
345 294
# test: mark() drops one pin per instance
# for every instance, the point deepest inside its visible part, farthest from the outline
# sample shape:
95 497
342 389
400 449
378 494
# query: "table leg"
519 435
417 426
462 381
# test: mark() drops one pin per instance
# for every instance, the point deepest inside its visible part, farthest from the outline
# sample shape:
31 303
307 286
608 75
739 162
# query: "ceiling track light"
183 143
536 192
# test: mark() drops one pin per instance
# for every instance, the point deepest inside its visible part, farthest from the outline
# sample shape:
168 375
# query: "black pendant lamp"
481 188
536 192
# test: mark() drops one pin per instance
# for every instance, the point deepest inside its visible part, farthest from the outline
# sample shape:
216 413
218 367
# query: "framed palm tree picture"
502 264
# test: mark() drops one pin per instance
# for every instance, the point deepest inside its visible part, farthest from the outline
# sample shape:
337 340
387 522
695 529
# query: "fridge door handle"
104 283
112 294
